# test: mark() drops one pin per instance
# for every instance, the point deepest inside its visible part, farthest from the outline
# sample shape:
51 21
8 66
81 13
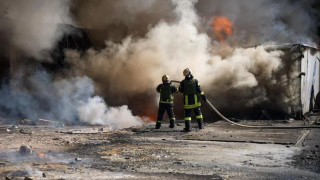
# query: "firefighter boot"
172 125
187 128
158 125
200 123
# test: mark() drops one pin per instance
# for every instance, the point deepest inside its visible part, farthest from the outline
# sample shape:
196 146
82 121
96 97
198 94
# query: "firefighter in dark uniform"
191 90
166 91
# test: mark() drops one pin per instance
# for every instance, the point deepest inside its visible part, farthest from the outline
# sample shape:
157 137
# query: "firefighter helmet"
186 72
165 78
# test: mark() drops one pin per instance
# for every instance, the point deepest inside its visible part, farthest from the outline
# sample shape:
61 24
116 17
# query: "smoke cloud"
136 42
255 21
152 56
95 111
260 21
168 48
68 99
245 75
34 26
114 20
33 29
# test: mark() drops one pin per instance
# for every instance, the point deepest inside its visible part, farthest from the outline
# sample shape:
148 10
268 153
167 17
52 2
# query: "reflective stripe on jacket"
191 101
191 89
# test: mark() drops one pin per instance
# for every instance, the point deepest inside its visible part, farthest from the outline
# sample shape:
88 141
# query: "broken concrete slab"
226 133
87 130
49 122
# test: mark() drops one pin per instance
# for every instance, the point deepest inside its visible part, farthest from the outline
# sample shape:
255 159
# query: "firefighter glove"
204 97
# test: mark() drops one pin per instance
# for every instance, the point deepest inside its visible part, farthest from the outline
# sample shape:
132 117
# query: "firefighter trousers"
163 107
197 112
187 117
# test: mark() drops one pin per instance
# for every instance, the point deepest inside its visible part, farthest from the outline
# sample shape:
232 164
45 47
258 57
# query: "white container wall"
310 81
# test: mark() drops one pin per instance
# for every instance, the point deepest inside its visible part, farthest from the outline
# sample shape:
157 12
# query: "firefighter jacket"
166 91
191 91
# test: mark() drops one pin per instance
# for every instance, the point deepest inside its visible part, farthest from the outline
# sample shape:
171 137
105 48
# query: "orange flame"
222 27
150 112
153 117
40 154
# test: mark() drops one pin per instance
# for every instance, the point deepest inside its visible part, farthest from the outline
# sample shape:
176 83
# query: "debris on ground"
86 130
26 131
50 122
25 122
219 151
12 128
25 150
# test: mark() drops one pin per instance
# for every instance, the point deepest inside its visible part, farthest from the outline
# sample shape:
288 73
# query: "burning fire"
222 27
40 154
153 117
150 112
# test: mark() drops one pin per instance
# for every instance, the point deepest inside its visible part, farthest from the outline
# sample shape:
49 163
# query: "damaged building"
301 67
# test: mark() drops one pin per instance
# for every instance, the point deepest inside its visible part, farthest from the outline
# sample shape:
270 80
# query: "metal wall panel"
309 82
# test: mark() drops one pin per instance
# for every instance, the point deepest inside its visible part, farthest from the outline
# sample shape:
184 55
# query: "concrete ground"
220 151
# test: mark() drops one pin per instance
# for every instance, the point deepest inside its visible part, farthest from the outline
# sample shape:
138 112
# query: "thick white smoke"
140 42
153 56
34 26
168 48
95 111
78 94
244 75
65 99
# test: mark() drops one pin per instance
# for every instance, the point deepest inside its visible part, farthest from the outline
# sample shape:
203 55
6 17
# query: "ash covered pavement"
220 151
80 78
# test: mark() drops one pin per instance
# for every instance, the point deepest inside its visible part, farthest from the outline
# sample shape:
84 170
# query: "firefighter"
192 92
166 91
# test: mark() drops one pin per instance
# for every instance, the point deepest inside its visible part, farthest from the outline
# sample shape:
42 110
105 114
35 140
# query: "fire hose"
251 126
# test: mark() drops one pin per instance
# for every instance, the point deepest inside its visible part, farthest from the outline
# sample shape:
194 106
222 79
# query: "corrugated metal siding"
309 82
